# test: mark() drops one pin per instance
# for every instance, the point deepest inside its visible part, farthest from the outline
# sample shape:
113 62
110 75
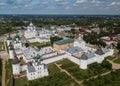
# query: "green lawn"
0 71
8 72
39 45
111 79
2 47
93 69
117 60
20 81
66 64
57 79
109 57
52 68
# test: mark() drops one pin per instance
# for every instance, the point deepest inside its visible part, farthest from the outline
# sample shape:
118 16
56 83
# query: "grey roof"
90 55
16 60
9 38
99 51
73 49
31 69
45 66
86 56
105 50
11 46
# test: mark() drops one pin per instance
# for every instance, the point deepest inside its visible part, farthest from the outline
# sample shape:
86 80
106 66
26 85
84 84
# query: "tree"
118 47
106 64
26 44
55 38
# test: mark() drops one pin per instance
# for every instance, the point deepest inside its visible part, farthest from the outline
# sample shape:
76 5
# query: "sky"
60 7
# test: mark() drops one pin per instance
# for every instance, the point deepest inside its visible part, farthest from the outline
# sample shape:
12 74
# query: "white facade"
31 31
16 69
36 59
11 54
36 70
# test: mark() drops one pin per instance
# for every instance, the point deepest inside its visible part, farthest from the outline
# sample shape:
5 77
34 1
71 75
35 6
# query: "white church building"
34 61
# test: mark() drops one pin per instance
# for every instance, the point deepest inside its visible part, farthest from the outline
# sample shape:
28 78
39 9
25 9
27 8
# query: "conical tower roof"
99 51
84 57
16 60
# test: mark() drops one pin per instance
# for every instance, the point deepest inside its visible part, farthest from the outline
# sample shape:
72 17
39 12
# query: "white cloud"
80 1
2 4
96 1
61 2
67 7
114 3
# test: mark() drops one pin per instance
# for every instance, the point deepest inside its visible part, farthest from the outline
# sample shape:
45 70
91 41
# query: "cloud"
96 1
2 4
61 2
63 6
114 3
80 1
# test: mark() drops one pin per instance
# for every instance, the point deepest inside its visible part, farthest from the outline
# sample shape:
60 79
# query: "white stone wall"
23 68
17 45
8 42
73 59
54 59
41 72
83 64
16 69
11 54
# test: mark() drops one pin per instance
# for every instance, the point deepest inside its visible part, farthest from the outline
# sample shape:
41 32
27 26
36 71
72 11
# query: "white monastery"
34 61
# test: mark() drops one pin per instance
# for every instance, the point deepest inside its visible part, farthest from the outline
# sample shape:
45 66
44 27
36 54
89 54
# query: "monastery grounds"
61 76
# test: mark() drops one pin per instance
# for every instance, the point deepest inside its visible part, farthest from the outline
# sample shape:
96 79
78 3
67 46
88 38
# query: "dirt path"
63 70
3 72
4 57
114 65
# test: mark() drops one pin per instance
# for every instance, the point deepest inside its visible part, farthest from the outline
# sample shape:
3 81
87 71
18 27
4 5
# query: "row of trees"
94 38
118 47
112 79
58 79
0 71
55 38
41 21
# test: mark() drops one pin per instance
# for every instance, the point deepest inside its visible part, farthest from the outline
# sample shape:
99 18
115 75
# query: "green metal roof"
17 36
64 41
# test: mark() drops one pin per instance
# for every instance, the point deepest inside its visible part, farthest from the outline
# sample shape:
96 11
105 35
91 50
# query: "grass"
80 74
8 72
117 60
52 68
2 47
66 64
0 71
57 79
20 81
111 79
39 45
109 57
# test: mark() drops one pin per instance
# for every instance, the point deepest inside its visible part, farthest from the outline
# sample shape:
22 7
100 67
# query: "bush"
112 79
106 64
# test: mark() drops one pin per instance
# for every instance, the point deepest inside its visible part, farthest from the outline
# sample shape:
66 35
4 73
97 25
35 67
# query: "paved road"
4 57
